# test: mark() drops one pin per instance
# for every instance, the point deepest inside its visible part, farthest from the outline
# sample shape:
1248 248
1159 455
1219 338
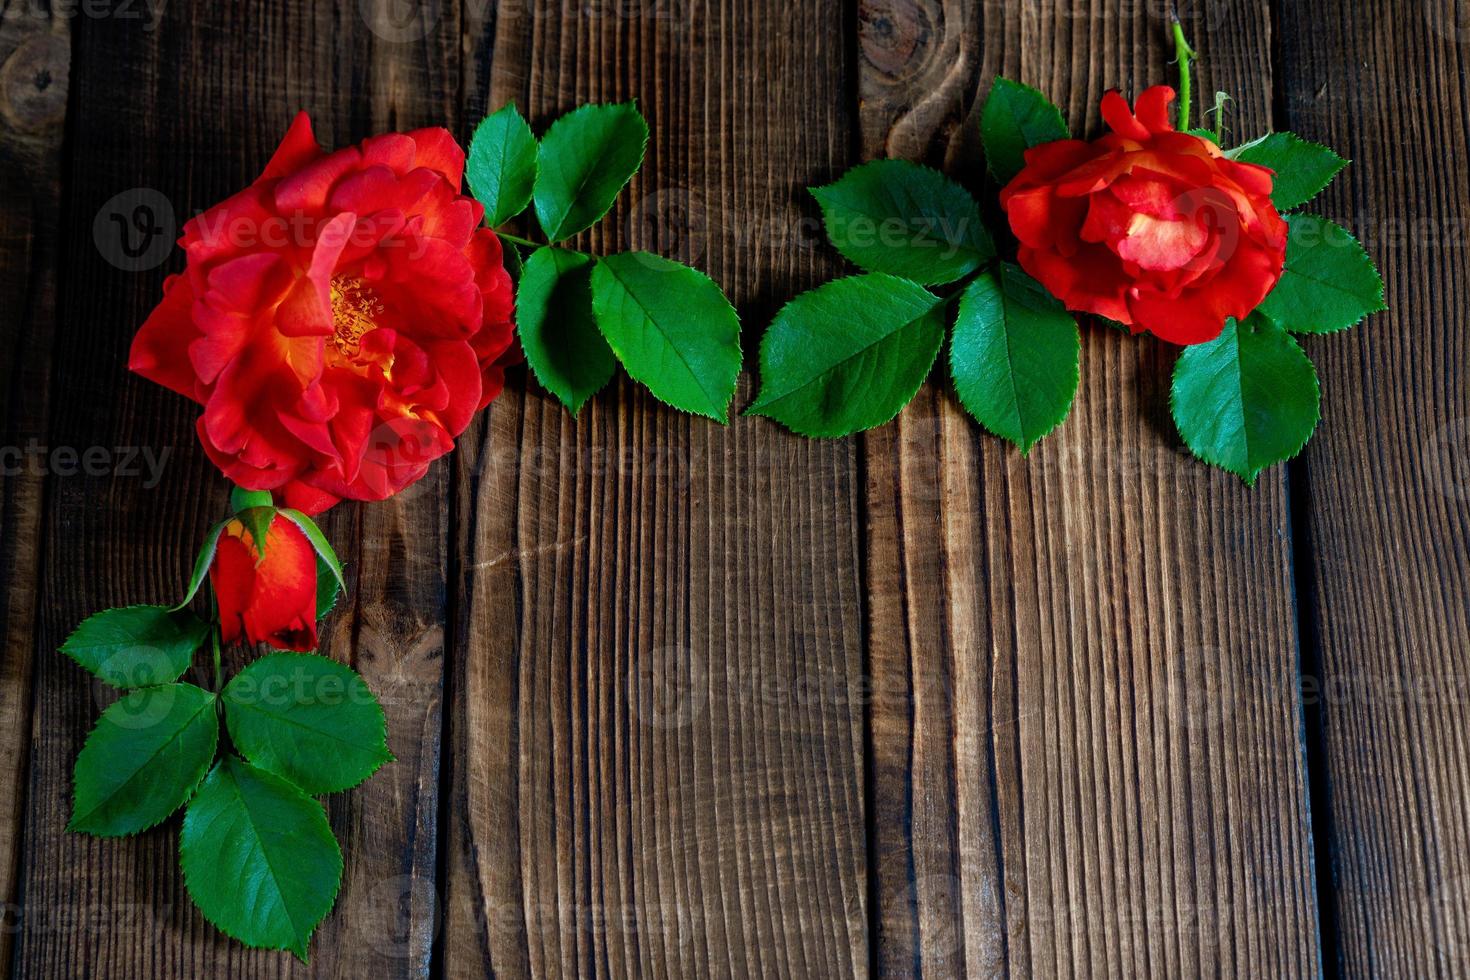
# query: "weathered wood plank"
35 58
657 720
192 110
1384 490
1084 753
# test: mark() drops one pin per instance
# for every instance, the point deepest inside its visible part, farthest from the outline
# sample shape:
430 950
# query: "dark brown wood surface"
117 907
670 699
1074 649
657 738
35 55
1384 490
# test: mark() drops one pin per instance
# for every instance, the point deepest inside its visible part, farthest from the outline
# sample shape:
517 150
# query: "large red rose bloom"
340 319
1150 227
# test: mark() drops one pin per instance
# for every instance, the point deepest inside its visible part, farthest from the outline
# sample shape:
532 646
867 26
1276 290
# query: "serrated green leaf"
501 164
1302 168
1329 283
146 755
848 355
1016 117
328 589
585 160
202 562
259 858
308 719
557 329
897 217
319 543
136 646
1014 355
672 328
1247 399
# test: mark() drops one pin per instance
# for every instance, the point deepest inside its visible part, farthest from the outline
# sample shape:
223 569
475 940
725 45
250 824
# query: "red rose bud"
340 319
270 599
1150 227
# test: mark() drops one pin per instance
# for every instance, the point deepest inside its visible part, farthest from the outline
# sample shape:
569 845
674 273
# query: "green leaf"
1303 168
557 329
848 355
1016 117
258 521
136 646
146 755
897 217
1014 356
202 562
672 328
242 499
259 858
501 164
1329 283
1247 399
307 719
319 543
586 158
328 589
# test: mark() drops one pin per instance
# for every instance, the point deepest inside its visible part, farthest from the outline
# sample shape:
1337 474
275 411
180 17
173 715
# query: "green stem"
1184 54
219 673
1220 99
518 240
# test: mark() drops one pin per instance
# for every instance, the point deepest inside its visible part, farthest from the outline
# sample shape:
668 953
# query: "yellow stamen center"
354 308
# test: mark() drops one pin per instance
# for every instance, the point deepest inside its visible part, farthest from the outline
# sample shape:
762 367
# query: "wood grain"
35 57
1083 746
657 733
192 110
722 701
1384 489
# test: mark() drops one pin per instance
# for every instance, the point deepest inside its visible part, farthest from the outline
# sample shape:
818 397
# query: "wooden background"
670 699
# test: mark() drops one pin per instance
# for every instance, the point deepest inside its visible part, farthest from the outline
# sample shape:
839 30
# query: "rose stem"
218 670
1220 99
1184 54
518 240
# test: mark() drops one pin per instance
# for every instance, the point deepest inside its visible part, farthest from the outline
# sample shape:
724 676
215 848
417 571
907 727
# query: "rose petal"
1152 108
306 191
436 149
160 351
298 148
1120 119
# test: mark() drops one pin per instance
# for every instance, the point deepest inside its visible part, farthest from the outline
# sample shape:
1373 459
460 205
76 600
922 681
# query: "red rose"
270 599
340 319
1150 227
